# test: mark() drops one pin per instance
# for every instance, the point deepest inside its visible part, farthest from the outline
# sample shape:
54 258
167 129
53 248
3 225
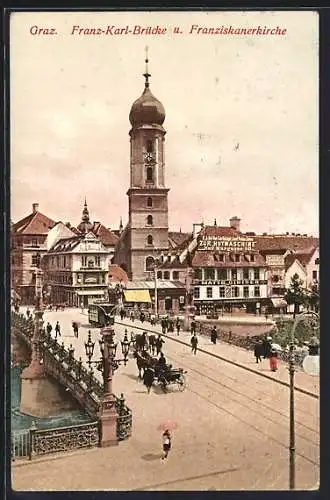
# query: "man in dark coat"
194 343
49 328
178 326
193 327
258 350
159 344
57 329
214 335
148 378
267 347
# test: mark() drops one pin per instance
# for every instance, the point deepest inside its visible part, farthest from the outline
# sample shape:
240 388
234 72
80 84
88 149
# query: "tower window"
150 147
149 174
150 262
150 220
150 239
149 201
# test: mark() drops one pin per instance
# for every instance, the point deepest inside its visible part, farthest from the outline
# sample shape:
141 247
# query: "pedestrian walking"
258 351
267 346
75 329
167 443
148 378
193 327
49 328
132 316
214 335
57 330
159 344
178 326
164 324
194 343
273 360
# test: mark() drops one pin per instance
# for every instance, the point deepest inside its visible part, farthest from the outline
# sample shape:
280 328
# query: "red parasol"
168 425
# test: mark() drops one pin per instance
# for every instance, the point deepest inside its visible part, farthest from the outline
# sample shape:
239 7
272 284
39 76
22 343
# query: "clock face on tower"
149 158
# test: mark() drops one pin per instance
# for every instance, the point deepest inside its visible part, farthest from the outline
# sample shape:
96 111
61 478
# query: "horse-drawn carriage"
164 375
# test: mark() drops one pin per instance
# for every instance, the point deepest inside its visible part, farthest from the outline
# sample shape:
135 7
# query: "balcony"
95 268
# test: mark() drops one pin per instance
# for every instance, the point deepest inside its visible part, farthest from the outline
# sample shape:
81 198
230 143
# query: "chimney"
235 223
35 208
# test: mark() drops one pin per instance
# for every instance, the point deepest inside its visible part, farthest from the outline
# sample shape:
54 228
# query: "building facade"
229 273
146 235
76 270
28 245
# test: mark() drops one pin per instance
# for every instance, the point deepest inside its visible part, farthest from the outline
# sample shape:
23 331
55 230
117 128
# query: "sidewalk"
235 354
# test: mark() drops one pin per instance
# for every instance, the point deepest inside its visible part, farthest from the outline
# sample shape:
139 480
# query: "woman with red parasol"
166 436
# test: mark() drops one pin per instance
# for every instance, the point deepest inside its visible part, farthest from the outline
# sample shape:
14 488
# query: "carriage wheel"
182 383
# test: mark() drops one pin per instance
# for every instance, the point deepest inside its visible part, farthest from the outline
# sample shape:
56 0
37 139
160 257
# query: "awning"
90 292
279 302
137 296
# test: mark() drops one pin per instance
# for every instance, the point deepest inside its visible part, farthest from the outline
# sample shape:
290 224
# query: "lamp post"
108 364
292 446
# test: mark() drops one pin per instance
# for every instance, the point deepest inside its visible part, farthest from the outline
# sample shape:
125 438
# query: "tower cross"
146 74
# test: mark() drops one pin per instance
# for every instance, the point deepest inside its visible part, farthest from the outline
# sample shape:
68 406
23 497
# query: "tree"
314 298
296 294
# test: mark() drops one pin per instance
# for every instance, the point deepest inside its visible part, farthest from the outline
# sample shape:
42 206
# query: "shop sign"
222 243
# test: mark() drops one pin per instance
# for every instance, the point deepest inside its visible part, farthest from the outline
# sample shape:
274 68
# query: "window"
35 260
209 292
221 257
149 201
91 263
84 260
246 291
64 261
257 291
150 239
149 174
166 275
257 273
196 292
159 275
198 274
150 147
150 262
175 275
317 261
34 243
245 273
314 275
222 291
150 220
252 258
234 274
235 291
222 274
209 274
237 257
97 261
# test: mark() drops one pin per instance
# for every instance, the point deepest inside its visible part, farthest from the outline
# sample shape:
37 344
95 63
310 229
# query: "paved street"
233 427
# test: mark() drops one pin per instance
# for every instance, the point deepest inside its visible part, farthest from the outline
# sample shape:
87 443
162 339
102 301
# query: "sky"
241 116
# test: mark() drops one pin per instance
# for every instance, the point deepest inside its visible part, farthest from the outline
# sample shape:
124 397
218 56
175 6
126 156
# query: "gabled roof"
107 237
175 264
34 224
66 244
285 242
302 257
117 274
178 240
225 231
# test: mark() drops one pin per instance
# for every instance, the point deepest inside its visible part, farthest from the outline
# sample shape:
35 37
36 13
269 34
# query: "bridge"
50 362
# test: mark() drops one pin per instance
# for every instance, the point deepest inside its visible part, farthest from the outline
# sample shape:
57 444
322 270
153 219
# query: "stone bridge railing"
59 363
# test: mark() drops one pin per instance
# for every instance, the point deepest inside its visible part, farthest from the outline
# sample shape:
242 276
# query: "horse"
141 341
144 360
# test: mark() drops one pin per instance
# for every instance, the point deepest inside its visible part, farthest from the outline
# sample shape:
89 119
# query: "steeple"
85 224
146 74
121 227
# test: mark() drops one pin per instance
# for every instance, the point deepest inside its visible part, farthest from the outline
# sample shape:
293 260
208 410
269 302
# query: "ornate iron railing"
20 444
65 438
60 364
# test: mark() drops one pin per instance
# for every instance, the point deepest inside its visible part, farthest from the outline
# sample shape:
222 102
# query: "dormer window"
237 258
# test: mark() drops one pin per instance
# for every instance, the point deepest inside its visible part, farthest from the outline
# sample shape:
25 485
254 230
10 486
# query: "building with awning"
140 296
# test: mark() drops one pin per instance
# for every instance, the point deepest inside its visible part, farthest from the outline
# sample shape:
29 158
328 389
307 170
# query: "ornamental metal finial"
146 74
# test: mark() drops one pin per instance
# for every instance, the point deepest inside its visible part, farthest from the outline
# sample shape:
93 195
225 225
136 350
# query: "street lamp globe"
89 346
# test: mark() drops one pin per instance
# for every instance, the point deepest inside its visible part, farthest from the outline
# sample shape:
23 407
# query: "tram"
101 314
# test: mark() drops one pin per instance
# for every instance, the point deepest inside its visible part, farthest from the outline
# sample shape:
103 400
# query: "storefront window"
209 274
222 274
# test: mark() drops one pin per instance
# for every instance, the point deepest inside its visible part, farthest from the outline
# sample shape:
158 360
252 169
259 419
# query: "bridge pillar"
108 422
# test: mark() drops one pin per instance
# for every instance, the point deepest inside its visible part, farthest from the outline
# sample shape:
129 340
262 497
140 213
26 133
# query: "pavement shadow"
133 377
151 456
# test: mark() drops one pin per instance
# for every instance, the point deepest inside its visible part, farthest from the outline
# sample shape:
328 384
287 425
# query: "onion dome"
85 224
147 110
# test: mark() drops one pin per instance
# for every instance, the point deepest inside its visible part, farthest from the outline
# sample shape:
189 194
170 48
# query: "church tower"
148 207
